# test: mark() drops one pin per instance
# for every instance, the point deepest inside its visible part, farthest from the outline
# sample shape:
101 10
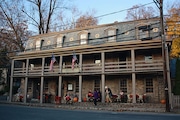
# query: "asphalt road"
15 112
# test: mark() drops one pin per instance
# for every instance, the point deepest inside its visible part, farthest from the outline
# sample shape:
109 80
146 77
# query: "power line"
110 13
124 10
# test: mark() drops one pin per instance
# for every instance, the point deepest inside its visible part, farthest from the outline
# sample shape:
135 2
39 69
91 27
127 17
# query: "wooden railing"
118 66
91 68
109 67
155 65
35 71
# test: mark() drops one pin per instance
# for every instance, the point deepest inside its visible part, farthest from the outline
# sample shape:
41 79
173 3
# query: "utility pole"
164 56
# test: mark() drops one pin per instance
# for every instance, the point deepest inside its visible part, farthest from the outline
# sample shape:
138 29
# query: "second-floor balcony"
108 67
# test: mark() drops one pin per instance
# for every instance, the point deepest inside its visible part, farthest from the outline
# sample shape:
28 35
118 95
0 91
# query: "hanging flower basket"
163 101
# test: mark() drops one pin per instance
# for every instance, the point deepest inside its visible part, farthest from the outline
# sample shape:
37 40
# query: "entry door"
36 89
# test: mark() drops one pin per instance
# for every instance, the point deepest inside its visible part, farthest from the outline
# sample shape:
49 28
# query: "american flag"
53 60
74 58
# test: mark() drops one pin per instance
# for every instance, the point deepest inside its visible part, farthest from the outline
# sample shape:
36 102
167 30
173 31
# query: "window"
111 35
149 85
98 62
148 58
31 66
123 85
59 41
144 32
39 44
83 38
70 86
29 86
77 86
97 85
45 86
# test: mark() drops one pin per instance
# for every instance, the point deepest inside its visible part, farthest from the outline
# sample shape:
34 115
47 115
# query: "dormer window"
29 45
39 44
144 32
59 41
83 37
111 34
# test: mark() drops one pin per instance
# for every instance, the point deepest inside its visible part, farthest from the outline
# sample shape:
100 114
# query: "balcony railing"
155 65
118 66
109 67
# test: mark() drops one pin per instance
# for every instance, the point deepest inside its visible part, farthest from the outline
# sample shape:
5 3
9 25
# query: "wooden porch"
109 67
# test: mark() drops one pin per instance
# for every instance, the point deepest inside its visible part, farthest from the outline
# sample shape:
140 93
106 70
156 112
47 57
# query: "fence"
176 101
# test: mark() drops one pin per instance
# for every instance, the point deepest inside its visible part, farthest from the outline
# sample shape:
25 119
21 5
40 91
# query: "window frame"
123 86
143 32
97 84
111 33
83 38
149 85
38 44
59 41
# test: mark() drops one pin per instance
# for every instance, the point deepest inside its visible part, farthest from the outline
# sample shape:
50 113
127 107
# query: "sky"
104 7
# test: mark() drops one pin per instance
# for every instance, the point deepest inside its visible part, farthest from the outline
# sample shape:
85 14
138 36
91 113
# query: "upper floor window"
144 32
59 41
29 45
148 58
83 38
39 44
98 62
111 34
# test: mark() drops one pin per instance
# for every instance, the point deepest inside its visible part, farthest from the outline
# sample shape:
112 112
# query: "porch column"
80 88
60 86
60 64
80 62
11 81
103 77
168 78
42 81
26 81
80 78
25 89
41 89
133 76
60 77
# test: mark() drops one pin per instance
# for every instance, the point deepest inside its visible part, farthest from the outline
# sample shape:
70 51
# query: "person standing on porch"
95 94
108 94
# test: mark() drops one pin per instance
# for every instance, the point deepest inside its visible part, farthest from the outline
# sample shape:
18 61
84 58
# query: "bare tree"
140 12
77 19
42 13
66 22
14 30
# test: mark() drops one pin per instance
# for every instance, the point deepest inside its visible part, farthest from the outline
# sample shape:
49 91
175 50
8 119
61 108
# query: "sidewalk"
116 107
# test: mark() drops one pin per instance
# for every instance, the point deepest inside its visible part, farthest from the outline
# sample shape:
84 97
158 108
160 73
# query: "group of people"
109 96
94 96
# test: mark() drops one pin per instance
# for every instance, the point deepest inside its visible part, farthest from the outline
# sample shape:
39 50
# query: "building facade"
124 56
